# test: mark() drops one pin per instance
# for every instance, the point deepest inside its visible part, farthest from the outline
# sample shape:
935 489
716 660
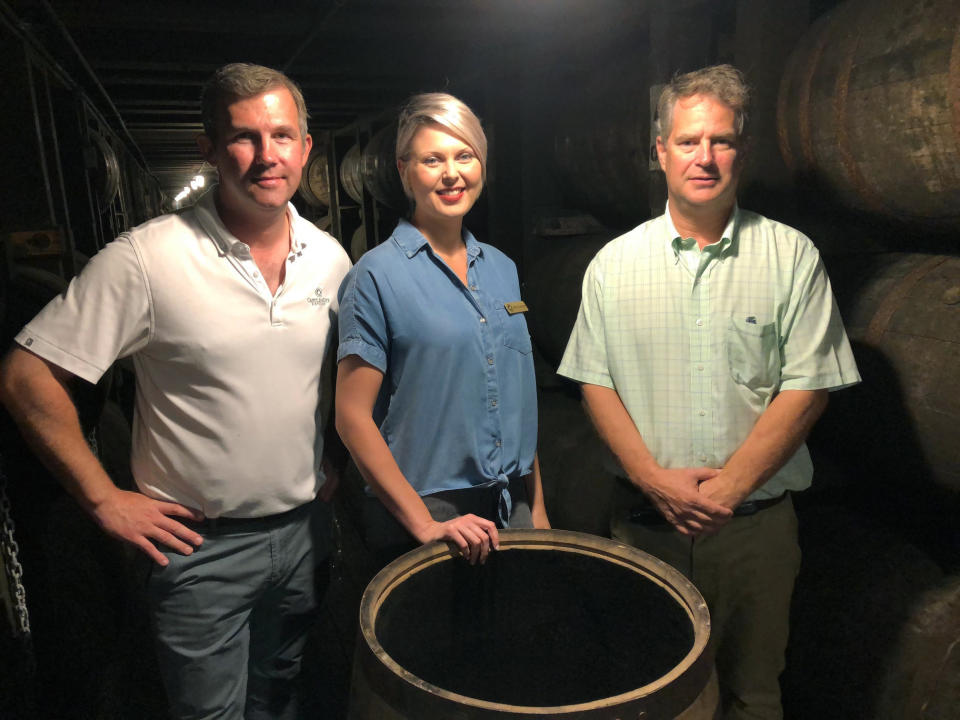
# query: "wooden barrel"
601 150
923 681
378 165
358 243
553 290
556 624
315 179
351 176
869 106
903 310
861 585
897 431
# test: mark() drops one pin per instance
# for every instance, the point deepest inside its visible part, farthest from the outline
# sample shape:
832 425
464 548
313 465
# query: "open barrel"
556 624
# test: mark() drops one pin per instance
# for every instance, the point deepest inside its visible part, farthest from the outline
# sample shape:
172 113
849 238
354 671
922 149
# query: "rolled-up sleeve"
362 322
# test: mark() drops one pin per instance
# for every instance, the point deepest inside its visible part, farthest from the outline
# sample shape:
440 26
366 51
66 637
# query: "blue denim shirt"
458 404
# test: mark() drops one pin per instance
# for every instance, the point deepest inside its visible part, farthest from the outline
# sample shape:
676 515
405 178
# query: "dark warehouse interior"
855 142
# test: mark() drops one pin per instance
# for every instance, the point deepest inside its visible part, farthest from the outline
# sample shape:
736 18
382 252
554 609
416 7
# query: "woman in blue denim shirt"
436 397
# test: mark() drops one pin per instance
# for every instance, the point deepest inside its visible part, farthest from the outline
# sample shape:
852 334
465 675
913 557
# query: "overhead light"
199 180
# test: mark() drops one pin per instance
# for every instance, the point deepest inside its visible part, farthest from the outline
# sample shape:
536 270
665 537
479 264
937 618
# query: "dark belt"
239 524
645 513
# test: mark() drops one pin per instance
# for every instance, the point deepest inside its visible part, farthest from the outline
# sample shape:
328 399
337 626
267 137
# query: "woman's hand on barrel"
473 536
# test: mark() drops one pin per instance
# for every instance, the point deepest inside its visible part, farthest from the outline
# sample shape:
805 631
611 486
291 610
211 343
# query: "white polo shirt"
228 374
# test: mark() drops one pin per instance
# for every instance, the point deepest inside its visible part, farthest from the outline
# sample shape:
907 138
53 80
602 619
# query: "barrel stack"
869 116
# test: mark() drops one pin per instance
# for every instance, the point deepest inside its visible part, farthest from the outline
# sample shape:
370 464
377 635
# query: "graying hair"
239 81
448 112
723 82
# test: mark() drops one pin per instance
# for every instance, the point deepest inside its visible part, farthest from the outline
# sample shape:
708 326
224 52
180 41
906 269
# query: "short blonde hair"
448 112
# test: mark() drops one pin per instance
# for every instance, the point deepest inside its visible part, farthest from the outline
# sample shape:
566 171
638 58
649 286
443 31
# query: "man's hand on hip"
139 520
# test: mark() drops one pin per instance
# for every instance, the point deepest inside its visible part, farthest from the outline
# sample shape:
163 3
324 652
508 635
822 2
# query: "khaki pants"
746 573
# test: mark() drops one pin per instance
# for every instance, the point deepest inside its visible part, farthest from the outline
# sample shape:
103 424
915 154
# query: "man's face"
702 156
259 153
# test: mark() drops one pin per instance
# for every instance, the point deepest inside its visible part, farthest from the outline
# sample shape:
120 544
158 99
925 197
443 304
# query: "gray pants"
387 539
233 617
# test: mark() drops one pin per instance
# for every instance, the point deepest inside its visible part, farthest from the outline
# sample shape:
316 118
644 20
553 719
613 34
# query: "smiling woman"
442 174
434 344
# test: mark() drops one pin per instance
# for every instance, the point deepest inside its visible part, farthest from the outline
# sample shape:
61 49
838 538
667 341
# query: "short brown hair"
241 81
723 82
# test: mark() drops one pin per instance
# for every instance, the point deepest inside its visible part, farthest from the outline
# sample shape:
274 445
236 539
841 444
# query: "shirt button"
499 443
699 322
483 319
256 274
493 403
702 458
473 287
701 413
700 368
489 361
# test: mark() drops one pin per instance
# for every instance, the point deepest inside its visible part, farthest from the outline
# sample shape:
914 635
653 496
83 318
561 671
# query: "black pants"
387 539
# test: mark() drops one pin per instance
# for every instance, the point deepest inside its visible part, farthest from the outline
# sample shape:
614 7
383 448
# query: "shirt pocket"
515 334
753 352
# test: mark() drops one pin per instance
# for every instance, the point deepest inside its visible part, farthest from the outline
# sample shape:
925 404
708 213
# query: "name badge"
516 307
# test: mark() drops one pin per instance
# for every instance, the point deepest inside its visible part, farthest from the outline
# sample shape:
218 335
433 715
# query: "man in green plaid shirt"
706 344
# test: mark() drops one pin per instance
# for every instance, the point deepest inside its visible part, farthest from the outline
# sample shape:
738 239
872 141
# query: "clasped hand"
678 496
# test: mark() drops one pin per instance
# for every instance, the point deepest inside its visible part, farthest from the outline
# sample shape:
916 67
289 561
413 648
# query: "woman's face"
443 175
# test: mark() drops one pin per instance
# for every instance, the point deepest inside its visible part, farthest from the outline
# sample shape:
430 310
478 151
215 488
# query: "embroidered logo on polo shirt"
318 299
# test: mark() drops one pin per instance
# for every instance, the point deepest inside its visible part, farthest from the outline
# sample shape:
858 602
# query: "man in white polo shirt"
707 341
226 310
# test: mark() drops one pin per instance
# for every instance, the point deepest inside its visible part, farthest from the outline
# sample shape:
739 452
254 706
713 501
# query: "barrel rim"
694 668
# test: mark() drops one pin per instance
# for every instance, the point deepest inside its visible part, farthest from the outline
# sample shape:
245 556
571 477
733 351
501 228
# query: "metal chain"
10 550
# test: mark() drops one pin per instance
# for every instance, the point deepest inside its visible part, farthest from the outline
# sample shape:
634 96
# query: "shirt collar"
723 248
227 243
411 241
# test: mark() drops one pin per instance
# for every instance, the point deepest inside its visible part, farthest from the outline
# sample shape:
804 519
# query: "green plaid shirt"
697 343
